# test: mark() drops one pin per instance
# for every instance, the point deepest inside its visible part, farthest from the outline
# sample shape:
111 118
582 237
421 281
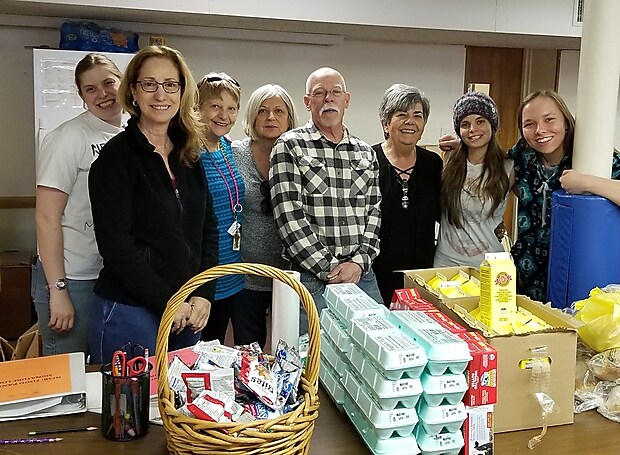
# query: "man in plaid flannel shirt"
325 195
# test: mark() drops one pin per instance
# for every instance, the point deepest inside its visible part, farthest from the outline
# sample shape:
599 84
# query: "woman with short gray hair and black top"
410 182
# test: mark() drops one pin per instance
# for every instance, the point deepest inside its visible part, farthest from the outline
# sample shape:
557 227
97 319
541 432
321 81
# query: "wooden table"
333 435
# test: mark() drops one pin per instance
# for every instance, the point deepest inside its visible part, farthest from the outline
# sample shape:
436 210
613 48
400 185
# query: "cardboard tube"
285 313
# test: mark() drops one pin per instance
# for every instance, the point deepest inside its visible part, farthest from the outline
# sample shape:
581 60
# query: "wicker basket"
284 435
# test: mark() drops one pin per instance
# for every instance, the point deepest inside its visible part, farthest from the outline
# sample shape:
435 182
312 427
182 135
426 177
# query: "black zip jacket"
152 237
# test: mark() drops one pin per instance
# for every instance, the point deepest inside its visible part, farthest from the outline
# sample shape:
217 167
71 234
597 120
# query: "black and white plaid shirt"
325 199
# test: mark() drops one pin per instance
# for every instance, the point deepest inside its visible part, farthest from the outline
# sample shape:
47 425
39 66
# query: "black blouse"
407 236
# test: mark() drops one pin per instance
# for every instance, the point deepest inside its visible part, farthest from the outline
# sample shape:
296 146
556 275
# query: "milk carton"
498 291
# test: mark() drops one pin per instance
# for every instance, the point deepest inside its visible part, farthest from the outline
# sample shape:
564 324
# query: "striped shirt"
325 199
218 165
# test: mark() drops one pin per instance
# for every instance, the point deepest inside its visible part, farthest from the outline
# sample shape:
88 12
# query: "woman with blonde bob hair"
154 220
269 113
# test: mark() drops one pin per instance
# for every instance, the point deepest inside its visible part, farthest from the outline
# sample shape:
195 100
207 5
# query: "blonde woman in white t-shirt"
69 263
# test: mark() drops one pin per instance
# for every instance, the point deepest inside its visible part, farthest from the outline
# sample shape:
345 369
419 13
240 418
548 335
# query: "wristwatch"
60 284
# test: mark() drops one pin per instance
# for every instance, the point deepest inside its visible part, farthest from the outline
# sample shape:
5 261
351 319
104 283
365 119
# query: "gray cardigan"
261 242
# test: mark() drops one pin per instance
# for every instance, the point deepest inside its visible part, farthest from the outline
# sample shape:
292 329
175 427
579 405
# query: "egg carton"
347 302
443 418
332 384
386 423
330 353
450 388
444 350
395 445
336 329
389 393
439 444
393 351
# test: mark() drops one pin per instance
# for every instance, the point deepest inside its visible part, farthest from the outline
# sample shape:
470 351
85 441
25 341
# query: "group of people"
171 195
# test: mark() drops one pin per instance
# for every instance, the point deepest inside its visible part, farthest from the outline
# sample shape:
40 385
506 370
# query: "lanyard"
235 206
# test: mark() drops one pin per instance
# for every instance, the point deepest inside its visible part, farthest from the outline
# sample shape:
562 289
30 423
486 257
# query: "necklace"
404 182
236 207
548 162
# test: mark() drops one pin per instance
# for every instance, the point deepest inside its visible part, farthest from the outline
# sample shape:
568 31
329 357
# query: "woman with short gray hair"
410 183
269 113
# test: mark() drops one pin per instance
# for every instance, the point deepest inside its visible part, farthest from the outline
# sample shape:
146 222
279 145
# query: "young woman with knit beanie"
475 185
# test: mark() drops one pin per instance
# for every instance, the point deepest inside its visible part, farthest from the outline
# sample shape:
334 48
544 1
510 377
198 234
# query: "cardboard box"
481 371
419 278
409 299
28 346
516 407
478 431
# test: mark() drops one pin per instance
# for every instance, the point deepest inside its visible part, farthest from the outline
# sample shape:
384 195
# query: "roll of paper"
285 313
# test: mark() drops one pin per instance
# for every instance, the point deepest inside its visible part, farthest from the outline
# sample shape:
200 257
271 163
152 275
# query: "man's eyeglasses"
265 204
321 93
151 86
219 79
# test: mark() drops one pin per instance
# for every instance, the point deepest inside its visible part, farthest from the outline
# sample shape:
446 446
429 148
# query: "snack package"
260 380
287 368
221 381
215 406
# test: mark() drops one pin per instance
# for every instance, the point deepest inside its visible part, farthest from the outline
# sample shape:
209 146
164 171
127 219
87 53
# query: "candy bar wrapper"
287 368
260 380
259 410
255 350
221 380
176 367
204 363
215 406
221 355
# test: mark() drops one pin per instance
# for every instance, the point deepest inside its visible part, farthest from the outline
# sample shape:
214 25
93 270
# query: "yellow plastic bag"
600 314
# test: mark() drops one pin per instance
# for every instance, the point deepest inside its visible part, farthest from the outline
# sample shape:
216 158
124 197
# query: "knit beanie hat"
475 103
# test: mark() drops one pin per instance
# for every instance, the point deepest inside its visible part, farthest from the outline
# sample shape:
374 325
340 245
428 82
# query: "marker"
29 440
61 430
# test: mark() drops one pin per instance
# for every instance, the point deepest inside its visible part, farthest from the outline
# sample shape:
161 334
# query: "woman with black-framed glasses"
154 220
269 113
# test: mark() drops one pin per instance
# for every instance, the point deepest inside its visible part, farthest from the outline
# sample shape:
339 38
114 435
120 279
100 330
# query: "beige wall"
368 67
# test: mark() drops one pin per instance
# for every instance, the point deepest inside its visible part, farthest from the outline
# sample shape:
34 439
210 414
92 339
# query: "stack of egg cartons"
441 411
344 302
378 368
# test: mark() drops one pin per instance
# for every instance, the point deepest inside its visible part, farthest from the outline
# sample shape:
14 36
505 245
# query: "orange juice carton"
498 291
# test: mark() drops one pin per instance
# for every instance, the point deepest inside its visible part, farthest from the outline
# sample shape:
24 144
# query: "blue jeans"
81 294
368 284
113 324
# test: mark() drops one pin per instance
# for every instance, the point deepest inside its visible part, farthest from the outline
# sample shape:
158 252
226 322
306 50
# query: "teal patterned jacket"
534 188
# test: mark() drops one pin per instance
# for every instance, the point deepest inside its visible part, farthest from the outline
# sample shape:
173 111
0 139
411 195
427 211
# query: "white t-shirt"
467 246
64 162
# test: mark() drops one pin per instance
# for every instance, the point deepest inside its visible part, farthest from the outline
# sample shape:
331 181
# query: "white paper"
285 307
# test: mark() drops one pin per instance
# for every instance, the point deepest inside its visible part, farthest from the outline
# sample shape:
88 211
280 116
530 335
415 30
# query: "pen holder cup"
125 405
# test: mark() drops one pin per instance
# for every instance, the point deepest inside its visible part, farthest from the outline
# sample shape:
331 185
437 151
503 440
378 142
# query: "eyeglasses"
151 86
322 93
265 204
219 79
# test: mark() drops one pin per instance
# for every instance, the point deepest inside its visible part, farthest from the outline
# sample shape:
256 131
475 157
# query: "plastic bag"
610 407
88 36
600 314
